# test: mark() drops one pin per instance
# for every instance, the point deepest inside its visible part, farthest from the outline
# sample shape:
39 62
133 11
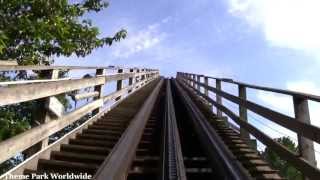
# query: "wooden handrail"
306 130
16 144
269 89
300 163
16 93
301 113
26 92
40 68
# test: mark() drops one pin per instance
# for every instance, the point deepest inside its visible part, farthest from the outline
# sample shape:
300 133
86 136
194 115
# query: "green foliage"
286 169
32 30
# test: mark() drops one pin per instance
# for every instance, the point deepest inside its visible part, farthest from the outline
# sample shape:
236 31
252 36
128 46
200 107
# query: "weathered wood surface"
86 95
8 63
26 139
6 83
27 92
31 163
118 161
300 163
306 130
17 93
55 106
35 67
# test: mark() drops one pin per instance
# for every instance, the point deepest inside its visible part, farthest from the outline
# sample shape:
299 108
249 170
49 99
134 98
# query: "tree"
286 169
33 32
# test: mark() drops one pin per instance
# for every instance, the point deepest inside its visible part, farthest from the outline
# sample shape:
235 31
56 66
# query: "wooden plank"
243 111
306 130
55 106
39 68
27 92
86 95
6 83
8 63
118 161
16 144
306 147
300 163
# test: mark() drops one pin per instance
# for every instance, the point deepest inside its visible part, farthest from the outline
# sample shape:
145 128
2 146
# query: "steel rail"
219 154
173 165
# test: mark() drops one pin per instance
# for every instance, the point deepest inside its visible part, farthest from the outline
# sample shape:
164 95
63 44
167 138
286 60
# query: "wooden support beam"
206 82
243 112
22 141
119 84
54 106
99 89
44 115
218 97
8 63
27 92
78 97
305 145
198 80
131 79
194 80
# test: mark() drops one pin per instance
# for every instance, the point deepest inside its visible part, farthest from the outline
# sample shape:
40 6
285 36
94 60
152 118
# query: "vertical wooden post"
131 79
206 82
43 116
301 111
190 77
243 113
198 80
218 98
194 80
119 83
137 79
98 88
54 74
142 77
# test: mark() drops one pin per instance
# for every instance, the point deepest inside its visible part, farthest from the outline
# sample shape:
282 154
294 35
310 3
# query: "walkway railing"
52 116
300 124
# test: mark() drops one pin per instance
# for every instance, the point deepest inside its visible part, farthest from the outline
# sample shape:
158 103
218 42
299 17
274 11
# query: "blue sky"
267 42
221 38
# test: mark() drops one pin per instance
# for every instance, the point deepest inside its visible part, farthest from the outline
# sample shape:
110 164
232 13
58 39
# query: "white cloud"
286 23
284 103
304 86
277 102
141 40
